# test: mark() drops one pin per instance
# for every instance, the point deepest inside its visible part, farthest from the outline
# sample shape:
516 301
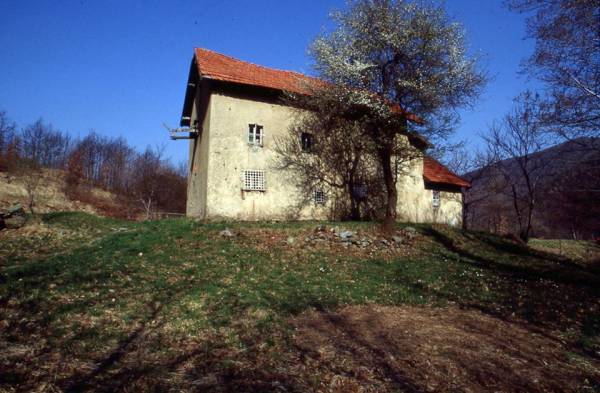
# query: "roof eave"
461 183
190 93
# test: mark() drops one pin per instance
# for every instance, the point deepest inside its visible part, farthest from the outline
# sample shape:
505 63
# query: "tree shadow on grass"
139 363
505 245
430 349
525 286
547 267
85 381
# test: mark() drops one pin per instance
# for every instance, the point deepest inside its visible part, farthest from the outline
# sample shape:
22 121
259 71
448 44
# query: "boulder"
411 232
226 233
397 239
346 235
13 217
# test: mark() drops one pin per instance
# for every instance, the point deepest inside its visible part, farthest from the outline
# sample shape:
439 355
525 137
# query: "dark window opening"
435 198
359 191
307 141
255 134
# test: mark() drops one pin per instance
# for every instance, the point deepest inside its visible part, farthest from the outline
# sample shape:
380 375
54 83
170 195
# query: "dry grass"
375 348
577 250
97 304
50 194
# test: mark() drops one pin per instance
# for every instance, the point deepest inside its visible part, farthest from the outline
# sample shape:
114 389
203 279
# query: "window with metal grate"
320 197
254 180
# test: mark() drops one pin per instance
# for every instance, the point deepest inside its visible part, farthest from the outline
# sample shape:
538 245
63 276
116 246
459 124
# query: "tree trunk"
30 204
465 212
385 159
515 200
354 207
525 232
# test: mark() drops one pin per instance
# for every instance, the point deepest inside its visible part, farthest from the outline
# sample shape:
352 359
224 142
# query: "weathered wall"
222 153
198 165
415 201
230 154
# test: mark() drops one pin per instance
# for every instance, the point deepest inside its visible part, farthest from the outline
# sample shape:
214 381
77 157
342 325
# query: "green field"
89 303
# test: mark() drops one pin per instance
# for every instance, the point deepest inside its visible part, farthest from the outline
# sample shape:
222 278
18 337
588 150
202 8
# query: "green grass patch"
109 285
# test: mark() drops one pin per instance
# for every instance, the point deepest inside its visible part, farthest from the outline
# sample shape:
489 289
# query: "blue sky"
120 66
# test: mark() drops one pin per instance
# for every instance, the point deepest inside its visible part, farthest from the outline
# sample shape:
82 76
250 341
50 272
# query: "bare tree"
45 145
30 173
7 140
7 134
513 144
567 60
390 58
474 167
327 154
74 169
146 178
141 181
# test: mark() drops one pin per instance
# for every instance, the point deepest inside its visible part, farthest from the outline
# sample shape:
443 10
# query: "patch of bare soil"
377 348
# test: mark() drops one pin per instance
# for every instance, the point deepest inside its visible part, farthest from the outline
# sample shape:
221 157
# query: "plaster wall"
230 154
198 166
221 154
415 200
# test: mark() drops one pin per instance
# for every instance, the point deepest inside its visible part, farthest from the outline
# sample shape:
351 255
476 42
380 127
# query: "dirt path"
377 348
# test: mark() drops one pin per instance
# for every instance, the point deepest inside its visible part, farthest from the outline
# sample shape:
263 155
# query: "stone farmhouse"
232 115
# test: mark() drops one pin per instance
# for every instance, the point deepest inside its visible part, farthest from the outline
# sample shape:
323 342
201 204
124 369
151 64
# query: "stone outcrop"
13 217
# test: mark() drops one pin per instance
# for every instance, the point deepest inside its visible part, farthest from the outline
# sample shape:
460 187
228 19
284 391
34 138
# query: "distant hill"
567 179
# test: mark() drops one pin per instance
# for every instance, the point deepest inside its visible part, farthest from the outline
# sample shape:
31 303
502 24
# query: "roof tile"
214 65
434 172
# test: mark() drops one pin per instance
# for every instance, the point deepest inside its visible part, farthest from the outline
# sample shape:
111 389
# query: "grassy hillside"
94 303
49 195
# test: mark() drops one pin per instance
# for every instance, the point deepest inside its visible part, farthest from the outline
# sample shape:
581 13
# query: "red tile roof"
213 65
434 172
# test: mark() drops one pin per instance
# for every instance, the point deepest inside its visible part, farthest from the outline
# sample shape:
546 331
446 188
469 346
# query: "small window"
256 134
254 180
436 198
359 191
307 141
319 197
